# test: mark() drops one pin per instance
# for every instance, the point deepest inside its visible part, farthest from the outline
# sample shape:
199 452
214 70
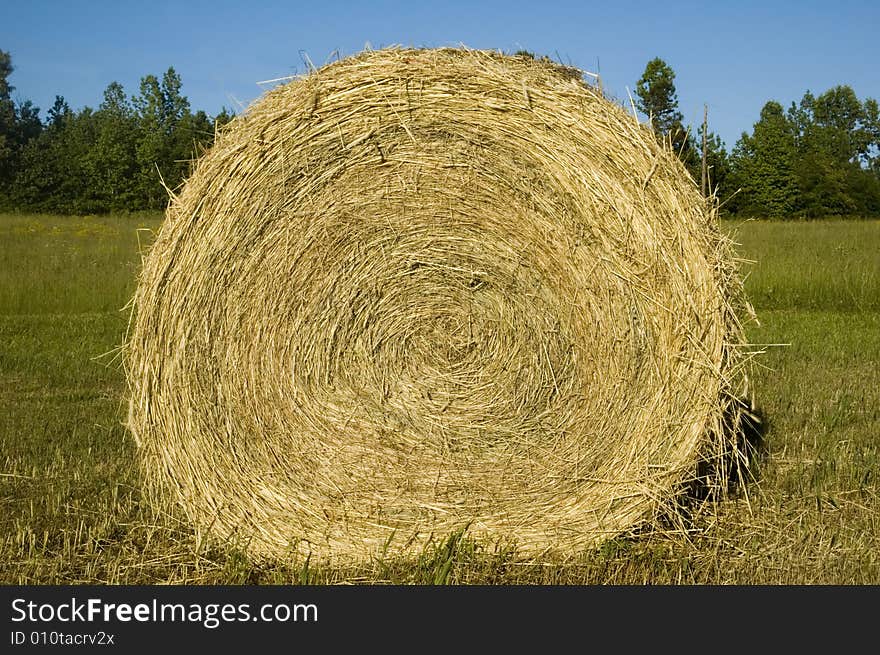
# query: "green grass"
819 265
70 505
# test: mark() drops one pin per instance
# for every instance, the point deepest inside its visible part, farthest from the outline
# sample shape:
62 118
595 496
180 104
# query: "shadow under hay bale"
730 471
422 289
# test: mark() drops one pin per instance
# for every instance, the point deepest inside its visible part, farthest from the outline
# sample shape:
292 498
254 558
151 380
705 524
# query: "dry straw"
418 290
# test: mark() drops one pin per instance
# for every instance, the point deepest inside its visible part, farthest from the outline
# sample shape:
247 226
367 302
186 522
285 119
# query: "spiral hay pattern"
419 290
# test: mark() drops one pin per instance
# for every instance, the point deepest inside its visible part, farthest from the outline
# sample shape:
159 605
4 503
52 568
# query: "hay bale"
422 289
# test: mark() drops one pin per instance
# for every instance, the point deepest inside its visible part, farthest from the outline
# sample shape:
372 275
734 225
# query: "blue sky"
732 55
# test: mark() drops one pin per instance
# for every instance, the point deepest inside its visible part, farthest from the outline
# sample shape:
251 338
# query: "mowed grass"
71 510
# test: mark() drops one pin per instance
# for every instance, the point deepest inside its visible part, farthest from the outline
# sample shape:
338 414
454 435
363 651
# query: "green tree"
764 166
657 98
175 106
152 143
59 111
161 109
54 172
872 125
193 135
223 117
113 166
6 69
112 159
41 170
7 120
27 123
837 143
19 124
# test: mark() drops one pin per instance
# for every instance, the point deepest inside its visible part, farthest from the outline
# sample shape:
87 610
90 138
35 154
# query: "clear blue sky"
733 55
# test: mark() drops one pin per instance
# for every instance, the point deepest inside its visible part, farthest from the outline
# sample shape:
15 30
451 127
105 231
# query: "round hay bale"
419 290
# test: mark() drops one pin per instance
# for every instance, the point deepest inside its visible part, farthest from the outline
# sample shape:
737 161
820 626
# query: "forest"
817 158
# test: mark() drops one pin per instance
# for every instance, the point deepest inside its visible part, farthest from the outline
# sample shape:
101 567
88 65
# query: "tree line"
818 157
119 157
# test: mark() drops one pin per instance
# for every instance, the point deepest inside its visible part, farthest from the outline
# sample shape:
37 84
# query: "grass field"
71 511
